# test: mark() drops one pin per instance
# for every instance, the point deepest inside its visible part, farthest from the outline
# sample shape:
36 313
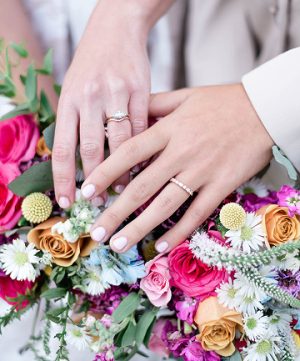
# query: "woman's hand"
210 139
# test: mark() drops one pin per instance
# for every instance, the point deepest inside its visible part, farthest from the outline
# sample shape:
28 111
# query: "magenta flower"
194 352
251 202
289 197
186 309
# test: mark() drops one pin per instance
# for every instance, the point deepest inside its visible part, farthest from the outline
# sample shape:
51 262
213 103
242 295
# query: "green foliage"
46 331
284 161
143 325
47 67
126 307
19 49
13 314
49 135
54 293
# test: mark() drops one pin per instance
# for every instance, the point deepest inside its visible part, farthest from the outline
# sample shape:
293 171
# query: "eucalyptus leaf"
19 49
143 325
283 160
37 178
31 84
57 89
56 311
47 64
7 64
49 135
126 307
18 110
235 357
129 335
54 293
7 88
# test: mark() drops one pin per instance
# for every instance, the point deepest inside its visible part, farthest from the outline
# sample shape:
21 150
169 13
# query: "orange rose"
63 252
41 147
278 225
217 326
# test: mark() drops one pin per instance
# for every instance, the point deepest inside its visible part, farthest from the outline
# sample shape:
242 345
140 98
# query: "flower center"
292 201
77 333
246 233
248 190
264 347
251 323
231 292
21 258
248 300
94 277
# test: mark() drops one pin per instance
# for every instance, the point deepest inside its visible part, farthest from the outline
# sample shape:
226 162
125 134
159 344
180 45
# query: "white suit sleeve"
274 91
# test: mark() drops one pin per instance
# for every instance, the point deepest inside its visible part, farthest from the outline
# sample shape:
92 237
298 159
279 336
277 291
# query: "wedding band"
119 116
182 186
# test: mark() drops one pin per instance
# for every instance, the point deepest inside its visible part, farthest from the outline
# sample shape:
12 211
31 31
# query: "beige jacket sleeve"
274 91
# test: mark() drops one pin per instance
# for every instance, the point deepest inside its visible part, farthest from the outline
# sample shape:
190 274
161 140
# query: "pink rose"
12 289
18 139
194 278
10 204
156 284
156 343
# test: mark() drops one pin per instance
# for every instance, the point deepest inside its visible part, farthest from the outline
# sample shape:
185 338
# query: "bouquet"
229 292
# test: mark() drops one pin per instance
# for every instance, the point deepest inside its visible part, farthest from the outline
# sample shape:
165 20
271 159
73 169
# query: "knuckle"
137 231
91 89
61 153
138 125
196 214
112 218
140 192
115 85
61 179
90 150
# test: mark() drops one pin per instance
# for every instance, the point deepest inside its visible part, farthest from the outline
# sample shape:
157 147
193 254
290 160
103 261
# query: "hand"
109 72
210 139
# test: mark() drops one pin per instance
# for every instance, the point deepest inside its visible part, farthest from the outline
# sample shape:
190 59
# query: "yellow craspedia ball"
36 207
232 216
296 338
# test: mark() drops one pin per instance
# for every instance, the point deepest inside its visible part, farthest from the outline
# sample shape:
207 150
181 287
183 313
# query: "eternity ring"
182 186
119 116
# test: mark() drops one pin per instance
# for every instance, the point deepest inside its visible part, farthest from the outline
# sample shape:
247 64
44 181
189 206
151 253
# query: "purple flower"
289 197
251 202
186 309
194 352
289 281
5 240
106 355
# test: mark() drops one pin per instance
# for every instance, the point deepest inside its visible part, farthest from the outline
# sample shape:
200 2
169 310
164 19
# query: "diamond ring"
118 116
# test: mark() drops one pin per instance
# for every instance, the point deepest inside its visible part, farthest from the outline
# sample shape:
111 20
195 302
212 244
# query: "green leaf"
18 110
143 325
148 333
56 311
58 292
7 64
31 84
19 49
1 44
57 89
49 135
129 335
7 88
281 159
46 114
126 307
235 357
47 64
37 178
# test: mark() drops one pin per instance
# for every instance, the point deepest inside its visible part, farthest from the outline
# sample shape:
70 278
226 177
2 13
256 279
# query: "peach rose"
278 225
217 326
63 253
41 147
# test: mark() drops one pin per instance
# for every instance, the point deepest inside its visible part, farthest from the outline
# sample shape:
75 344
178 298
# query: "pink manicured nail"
119 188
162 246
98 234
120 243
97 201
64 202
88 191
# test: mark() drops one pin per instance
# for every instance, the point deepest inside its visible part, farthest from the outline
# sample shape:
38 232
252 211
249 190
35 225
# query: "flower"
78 337
289 197
217 326
186 309
265 349
252 203
250 237
11 289
156 284
18 260
289 281
278 225
195 352
94 283
255 325
63 253
227 294
41 147
18 139
232 216
254 186
192 276
10 204
36 207
156 344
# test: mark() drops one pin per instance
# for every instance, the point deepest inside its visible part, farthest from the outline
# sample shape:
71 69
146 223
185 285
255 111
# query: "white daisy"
255 186
279 321
18 259
93 282
255 325
227 294
289 262
264 349
250 237
78 337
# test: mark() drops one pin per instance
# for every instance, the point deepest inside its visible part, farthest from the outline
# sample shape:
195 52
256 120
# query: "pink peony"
12 289
194 278
156 284
156 343
18 139
10 204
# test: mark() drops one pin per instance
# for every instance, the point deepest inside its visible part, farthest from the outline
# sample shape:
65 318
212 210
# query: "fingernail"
119 188
162 246
120 243
98 234
64 202
97 201
88 190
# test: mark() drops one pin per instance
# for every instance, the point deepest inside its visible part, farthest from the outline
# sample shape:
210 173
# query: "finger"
138 109
205 203
92 136
137 193
130 153
63 155
162 104
162 207
118 133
